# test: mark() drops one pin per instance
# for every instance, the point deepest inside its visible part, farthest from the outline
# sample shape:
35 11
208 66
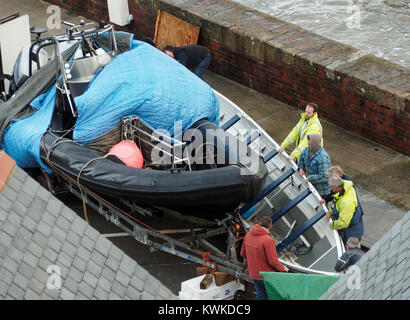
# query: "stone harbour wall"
354 90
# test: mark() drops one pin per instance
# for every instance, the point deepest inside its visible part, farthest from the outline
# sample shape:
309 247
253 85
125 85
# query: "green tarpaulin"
296 286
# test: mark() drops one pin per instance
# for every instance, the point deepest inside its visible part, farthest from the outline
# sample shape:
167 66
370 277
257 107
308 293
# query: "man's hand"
286 269
280 150
322 202
302 172
327 215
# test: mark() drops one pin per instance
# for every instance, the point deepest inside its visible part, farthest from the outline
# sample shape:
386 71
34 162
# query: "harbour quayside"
199 157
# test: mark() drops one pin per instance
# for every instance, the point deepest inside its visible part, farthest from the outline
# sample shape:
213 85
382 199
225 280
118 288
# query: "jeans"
202 66
260 289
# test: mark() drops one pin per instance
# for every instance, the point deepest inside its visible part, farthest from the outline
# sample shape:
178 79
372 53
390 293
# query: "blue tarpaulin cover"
141 82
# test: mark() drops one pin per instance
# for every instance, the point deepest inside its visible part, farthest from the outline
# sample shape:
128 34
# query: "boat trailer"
127 216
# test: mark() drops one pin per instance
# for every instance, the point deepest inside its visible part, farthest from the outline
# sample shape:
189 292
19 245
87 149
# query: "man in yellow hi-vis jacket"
346 212
308 124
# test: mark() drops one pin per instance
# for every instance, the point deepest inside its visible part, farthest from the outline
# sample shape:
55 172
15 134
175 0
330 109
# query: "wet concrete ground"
382 175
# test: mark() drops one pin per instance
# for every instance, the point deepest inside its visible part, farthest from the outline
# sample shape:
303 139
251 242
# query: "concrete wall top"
265 39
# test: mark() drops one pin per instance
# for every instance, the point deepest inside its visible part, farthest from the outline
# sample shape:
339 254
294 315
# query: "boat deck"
382 175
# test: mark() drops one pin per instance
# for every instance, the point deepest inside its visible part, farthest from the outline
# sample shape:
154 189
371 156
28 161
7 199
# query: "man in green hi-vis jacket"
308 124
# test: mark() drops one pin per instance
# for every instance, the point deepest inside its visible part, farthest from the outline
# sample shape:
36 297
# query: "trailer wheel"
239 295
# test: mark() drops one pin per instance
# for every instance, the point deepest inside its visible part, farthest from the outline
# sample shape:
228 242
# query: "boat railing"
150 138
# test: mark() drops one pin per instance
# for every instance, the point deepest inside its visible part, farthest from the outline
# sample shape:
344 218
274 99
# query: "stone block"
29 224
146 296
21 281
37 286
31 295
73 238
81 260
62 223
54 206
127 265
4 288
55 244
75 274
16 292
122 278
40 239
100 294
118 289
65 294
10 265
103 246
113 263
98 258
94 269
137 283
86 290
35 249
79 226
132 293
18 208
87 243
25 198
90 279
83 253
104 284
69 249
10 194
26 270
151 285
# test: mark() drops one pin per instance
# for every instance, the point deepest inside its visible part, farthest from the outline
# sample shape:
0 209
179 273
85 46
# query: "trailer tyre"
239 295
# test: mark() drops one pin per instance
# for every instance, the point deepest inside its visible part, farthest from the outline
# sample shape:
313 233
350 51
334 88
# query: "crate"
190 290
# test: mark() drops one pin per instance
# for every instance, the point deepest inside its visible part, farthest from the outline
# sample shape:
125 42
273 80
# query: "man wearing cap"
308 124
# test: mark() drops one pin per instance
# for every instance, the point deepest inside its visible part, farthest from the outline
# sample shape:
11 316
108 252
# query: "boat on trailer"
304 240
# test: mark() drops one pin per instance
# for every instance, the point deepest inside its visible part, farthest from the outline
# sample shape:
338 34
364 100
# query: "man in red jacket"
259 250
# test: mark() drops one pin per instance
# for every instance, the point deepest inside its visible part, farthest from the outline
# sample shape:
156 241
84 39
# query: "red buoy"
129 153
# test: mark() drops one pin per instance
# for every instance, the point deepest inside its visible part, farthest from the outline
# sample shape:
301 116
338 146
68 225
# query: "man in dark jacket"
351 256
194 57
259 250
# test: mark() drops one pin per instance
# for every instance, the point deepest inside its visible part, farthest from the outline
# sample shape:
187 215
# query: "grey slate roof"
384 269
37 231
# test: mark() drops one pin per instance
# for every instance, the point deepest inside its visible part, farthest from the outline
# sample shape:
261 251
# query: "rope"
79 185
205 259
205 255
96 195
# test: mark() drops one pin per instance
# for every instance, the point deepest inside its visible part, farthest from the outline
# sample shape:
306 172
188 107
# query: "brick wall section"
7 166
359 92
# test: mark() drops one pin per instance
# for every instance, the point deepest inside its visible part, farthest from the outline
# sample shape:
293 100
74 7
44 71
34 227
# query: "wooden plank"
170 30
